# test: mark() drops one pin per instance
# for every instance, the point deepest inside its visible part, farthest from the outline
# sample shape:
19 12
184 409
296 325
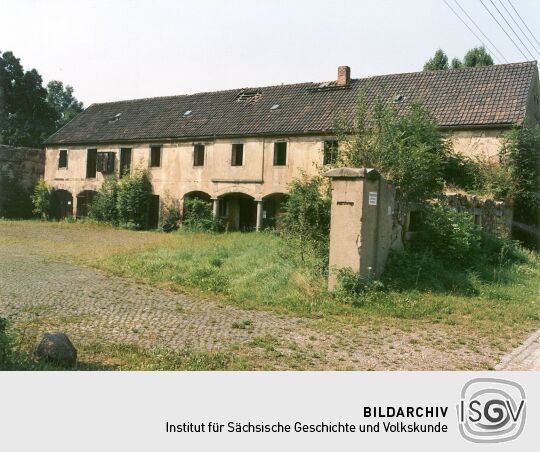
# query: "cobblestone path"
89 305
525 357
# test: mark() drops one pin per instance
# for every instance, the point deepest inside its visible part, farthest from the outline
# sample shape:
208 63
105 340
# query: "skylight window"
188 113
248 96
274 107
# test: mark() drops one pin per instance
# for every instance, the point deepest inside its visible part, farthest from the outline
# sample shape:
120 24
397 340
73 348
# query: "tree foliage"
407 148
438 62
477 56
64 103
28 112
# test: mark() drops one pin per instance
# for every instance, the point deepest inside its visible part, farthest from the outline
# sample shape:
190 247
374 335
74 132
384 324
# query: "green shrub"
448 234
306 221
103 207
352 288
198 216
171 214
132 200
41 199
520 153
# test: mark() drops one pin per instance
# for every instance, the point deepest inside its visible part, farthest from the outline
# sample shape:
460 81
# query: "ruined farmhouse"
240 149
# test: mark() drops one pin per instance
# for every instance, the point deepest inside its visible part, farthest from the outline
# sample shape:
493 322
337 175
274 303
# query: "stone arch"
272 206
84 199
238 210
236 189
195 194
61 204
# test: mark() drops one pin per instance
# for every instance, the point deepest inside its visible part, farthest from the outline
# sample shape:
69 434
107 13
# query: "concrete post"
259 224
361 226
215 207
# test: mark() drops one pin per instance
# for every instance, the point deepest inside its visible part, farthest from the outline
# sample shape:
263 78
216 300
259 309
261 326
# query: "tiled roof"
483 96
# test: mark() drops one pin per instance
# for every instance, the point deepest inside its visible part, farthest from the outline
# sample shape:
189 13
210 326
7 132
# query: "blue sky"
122 49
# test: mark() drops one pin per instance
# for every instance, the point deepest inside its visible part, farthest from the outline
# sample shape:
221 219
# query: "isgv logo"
491 410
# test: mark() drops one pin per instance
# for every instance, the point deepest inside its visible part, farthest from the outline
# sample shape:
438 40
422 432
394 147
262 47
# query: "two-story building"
241 148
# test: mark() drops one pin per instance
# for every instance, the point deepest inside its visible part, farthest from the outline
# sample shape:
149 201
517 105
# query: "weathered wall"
177 176
20 169
481 143
493 216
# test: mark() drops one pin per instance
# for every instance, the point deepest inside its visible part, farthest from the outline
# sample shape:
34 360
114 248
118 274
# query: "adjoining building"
240 149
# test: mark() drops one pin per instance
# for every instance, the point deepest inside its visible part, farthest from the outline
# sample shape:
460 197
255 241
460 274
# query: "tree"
478 56
406 148
26 117
62 101
456 63
438 62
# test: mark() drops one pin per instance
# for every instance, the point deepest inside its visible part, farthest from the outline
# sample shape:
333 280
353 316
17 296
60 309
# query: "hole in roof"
188 113
274 107
115 118
248 96
399 98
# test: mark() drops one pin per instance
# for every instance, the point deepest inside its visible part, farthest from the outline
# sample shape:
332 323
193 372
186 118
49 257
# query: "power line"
502 28
512 28
470 29
480 30
519 26
523 22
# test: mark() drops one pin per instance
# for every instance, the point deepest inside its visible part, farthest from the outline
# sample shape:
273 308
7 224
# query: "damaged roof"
483 96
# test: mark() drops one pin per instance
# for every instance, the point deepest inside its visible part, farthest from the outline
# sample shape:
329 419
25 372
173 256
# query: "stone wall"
20 169
493 216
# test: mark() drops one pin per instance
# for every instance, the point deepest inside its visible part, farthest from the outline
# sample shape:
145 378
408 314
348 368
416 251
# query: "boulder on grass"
58 349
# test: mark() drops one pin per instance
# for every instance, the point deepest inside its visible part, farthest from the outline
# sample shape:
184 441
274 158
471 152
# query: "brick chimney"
343 75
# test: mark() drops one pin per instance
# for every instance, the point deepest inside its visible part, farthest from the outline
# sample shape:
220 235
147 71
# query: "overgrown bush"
103 207
352 288
133 199
450 235
520 153
171 214
407 148
198 216
41 199
306 221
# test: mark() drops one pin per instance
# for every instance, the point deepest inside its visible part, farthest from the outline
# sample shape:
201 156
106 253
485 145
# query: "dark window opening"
198 155
330 152
155 156
223 208
125 161
153 212
237 157
91 163
105 162
63 159
280 153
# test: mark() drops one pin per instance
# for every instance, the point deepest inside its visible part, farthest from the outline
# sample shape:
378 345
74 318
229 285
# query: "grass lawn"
482 314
